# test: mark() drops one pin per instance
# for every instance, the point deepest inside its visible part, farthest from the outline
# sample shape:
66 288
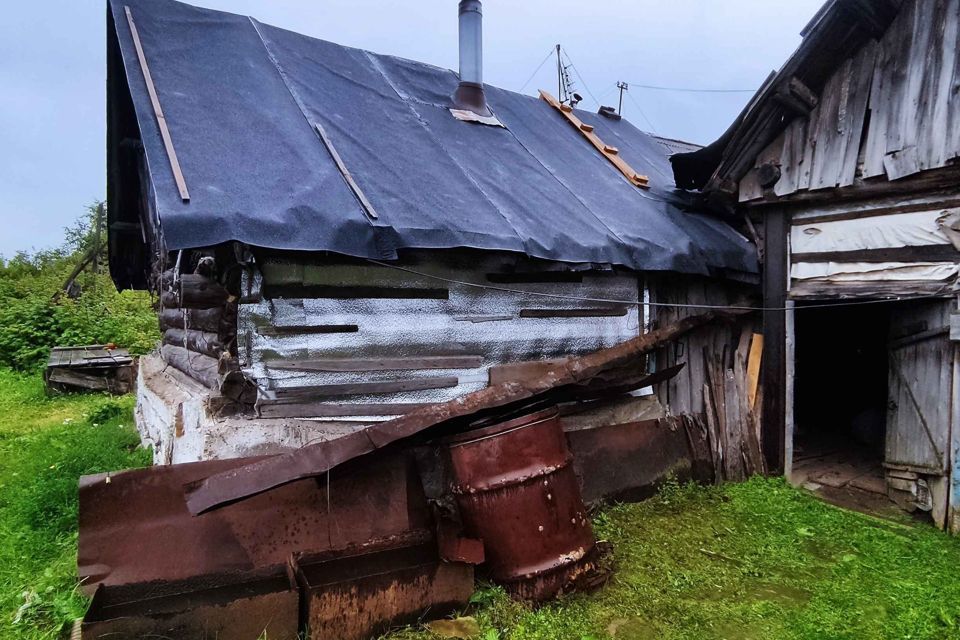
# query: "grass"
46 444
755 561
760 560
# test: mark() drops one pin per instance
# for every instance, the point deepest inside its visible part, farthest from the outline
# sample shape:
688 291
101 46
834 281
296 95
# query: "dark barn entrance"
841 395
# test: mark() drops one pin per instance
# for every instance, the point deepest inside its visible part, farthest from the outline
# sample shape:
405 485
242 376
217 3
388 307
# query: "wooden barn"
845 163
337 237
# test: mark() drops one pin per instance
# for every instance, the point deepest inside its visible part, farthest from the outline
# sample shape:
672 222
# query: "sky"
53 73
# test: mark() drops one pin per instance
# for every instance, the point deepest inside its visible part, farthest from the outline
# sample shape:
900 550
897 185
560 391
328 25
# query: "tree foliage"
37 314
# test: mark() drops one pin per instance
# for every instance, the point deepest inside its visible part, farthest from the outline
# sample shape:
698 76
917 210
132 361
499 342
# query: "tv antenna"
565 87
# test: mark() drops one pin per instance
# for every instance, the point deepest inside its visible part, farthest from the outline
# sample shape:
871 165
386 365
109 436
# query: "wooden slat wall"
905 85
481 327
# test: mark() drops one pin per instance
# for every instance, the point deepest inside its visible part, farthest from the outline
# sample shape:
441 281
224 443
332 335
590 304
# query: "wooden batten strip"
158 111
364 388
278 331
347 176
353 293
611 153
573 313
536 277
925 253
378 364
273 409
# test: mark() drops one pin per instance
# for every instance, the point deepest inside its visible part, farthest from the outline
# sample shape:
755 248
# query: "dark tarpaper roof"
241 98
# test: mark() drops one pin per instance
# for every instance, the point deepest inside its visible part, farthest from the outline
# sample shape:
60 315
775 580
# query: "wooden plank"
78 379
733 426
158 110
313 329
347 176
713 437
827 154
353 293
535 277
515 371
863 66
573 313
753 368
364 388
272 409
951 132
937 90
875 146
901 164
790 157
955 332
378 364
610 153
926 253
859 214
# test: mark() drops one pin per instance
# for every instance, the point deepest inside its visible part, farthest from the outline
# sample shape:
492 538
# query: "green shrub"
36 314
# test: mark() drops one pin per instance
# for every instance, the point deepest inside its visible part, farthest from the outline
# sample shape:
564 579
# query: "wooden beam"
273 409
573 313
378 364
353 293
925 253
364 388
753 368
158 110
610 153
773 368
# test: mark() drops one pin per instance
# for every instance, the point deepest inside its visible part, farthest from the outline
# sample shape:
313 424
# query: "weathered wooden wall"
717 380
889 111
892 246
337 340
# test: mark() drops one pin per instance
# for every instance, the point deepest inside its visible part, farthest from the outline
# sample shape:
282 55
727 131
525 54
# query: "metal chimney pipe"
469 94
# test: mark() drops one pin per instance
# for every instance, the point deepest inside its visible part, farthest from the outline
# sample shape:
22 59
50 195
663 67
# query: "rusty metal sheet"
229 606
135 526
362 596
625 462
314 460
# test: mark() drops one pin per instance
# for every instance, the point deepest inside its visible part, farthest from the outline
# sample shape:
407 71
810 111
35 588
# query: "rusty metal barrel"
515 486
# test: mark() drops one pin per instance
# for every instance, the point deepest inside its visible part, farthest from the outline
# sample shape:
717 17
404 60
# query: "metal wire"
641 303
534 74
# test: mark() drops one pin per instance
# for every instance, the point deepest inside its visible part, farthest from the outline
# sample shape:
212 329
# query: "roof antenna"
469 94
565 88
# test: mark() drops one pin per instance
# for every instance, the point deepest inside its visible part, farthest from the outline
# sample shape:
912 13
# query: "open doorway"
841 397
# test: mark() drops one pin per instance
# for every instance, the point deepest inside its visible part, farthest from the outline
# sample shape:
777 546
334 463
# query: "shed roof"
242 100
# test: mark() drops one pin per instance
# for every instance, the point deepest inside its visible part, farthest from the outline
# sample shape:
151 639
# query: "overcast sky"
52 73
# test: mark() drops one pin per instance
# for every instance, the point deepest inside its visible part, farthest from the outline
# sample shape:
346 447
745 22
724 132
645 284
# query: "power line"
580 77
716 307
640 109
534 74
689 89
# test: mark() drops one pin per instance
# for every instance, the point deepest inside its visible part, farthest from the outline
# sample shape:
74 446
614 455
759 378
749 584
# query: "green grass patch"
760 560
46 444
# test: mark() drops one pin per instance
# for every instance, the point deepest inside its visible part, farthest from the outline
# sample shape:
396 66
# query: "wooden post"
773 366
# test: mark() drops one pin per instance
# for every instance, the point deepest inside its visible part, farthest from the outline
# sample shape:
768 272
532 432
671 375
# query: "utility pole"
623 86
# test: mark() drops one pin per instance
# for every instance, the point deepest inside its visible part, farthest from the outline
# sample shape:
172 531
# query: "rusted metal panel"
356 597
226 606
626 462
517 492
315 460
135 527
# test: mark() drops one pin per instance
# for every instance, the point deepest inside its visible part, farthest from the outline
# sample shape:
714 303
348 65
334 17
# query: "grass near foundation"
754 561
46 444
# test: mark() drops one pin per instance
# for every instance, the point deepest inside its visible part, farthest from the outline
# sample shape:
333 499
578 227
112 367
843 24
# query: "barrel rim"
529 420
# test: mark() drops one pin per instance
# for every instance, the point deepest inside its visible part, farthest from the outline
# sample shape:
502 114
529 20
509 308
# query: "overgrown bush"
37 314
